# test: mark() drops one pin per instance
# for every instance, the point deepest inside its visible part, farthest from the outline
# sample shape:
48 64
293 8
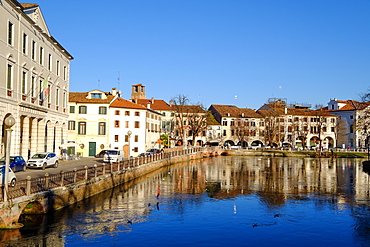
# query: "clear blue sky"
213 50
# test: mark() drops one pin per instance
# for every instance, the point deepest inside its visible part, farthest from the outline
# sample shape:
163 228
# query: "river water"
223 201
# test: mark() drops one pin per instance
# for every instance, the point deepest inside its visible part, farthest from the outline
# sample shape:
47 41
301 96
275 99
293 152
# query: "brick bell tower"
138 92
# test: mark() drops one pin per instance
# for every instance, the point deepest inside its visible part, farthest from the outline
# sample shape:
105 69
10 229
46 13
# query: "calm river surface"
223 201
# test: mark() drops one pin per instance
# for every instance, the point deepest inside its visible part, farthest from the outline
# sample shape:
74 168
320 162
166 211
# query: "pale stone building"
239 126
348 111
103 120
34 81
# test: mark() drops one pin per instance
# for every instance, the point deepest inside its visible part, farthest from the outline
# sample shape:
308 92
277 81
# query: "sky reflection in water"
238 201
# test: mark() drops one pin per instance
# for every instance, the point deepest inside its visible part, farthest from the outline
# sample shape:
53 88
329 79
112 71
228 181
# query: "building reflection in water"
273 180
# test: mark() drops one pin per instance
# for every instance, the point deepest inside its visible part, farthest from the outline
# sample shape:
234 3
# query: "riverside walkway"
51 192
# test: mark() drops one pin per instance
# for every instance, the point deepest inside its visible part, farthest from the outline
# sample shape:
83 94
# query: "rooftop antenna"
119 80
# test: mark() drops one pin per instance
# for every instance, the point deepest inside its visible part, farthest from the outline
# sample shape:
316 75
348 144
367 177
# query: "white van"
113 156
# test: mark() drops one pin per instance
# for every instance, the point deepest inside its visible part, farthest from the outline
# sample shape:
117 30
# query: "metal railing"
35 185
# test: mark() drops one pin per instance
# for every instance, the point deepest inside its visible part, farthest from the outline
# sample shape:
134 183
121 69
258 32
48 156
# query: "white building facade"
34 81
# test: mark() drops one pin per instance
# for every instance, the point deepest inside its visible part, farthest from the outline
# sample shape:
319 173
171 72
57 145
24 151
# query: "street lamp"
129 137
9 122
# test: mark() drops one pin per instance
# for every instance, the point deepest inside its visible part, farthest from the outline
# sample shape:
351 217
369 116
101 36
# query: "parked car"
153 151
43 160
101 154
16 163
113 156
11 176
145 154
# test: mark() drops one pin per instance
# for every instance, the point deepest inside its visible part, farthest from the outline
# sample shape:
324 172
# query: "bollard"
28 187
62 178
103 168
74 175
96 170
118 166
46 185
86 172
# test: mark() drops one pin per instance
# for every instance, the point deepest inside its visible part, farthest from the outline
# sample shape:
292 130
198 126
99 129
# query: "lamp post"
9 122
129 137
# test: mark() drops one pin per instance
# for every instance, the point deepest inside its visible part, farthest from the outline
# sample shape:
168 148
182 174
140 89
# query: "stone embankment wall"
67 195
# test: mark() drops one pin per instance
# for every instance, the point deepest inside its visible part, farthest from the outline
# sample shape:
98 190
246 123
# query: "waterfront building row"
34 81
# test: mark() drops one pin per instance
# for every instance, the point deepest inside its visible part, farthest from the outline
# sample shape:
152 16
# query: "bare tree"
190 120
362 126
365 97
301 129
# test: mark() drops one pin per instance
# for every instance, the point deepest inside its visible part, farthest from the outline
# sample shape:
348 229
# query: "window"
82 109
127 124
136 149
116 123
224 123
136 138
137 114
24 44
224 133
58 68
41 55
116 112
72 109
71 125
127 113
47 93
33 86
103 110
10 33
101 128
82 128
9 77
24 77
33 53
96 95
115 138
40 86
65 73
126 138
57 97
137 124
49 62
64 99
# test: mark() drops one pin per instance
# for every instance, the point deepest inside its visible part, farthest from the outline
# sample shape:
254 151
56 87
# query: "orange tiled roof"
81 98
352 105
28 5
122 103
188 108
155 104
234 111
268 109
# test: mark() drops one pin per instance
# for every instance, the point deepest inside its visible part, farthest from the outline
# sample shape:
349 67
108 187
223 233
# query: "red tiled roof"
188 109
122 103
81 98
155 104
28 5
352 105
234 111
269 109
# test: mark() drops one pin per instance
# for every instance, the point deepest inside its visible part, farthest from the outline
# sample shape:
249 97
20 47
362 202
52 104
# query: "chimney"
285 110
171 103
114 92
152 100
148 105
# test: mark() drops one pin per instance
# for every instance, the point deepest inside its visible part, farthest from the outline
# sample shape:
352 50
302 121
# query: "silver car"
43 160
11 176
